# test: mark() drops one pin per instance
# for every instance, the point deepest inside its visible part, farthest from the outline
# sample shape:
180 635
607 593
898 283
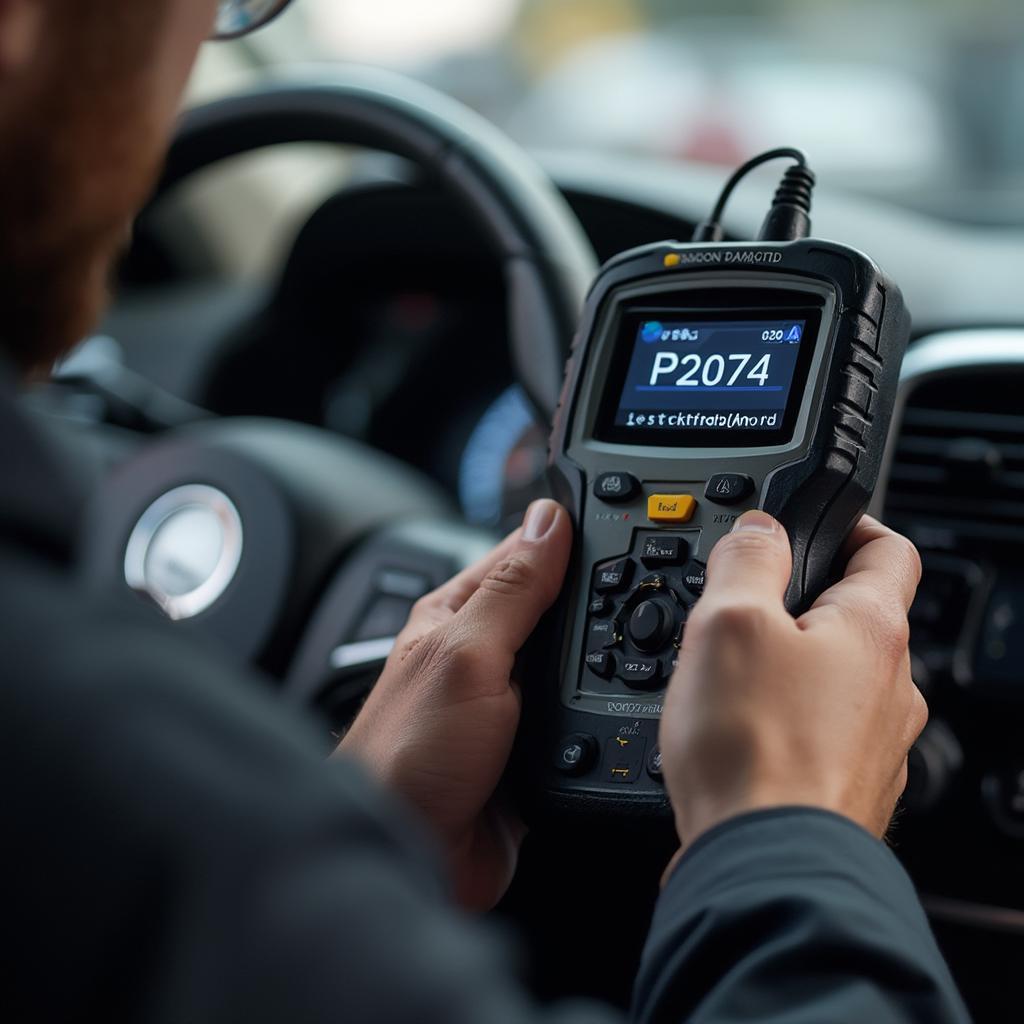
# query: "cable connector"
788 219
790 215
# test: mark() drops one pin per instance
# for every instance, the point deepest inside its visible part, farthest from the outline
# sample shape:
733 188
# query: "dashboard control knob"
650 625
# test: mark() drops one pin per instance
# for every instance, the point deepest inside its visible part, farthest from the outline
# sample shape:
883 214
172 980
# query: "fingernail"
540 517
755 521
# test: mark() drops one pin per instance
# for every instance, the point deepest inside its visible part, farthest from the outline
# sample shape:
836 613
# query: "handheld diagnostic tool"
707 378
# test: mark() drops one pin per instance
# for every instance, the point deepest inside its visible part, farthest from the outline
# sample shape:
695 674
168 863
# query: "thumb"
752 564
517 590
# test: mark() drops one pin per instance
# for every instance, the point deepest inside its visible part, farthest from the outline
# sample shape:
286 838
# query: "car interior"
327 377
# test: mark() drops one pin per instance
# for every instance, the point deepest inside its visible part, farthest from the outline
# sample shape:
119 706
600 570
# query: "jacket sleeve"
792 916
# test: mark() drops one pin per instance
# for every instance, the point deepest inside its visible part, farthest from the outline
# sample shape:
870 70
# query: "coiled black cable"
789 216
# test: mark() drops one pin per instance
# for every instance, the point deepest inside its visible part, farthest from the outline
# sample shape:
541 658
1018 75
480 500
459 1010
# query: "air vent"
958 459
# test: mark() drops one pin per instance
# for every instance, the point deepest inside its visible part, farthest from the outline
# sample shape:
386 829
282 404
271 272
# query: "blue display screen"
710 378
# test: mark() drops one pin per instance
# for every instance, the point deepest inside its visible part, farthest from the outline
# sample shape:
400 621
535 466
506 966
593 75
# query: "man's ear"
21 25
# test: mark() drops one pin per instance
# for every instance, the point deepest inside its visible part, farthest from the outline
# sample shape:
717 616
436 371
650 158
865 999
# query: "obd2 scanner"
706 379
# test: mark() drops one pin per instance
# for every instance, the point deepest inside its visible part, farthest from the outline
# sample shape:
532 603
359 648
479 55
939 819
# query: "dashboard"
953 484
408 354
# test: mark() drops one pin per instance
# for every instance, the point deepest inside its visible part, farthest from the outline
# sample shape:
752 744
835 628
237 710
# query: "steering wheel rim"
547 260
314 506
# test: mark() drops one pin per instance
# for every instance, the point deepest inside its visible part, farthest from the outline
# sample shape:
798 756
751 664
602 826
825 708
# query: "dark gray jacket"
176 850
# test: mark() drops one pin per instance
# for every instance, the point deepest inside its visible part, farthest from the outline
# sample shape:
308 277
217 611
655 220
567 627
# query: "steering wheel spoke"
368 602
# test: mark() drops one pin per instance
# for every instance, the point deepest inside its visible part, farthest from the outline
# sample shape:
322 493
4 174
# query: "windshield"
917 101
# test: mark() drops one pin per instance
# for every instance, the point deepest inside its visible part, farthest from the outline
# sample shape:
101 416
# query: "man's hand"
766 710
439 725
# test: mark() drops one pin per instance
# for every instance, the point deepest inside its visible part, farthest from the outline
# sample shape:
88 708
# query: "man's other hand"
438 726
767 710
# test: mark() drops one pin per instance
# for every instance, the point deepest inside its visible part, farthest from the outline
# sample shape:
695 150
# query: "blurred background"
917 101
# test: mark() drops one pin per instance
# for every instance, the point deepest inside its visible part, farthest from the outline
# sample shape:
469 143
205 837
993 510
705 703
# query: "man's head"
89 92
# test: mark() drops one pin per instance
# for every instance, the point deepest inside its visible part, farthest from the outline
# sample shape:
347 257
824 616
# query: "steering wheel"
298 550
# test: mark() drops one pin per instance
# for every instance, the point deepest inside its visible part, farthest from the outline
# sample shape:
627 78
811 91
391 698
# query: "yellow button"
671 508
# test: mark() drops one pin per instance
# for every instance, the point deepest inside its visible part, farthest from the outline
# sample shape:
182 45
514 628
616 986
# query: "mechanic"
177 850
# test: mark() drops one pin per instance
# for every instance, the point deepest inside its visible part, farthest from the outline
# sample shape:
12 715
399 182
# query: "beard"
82 147
51 297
